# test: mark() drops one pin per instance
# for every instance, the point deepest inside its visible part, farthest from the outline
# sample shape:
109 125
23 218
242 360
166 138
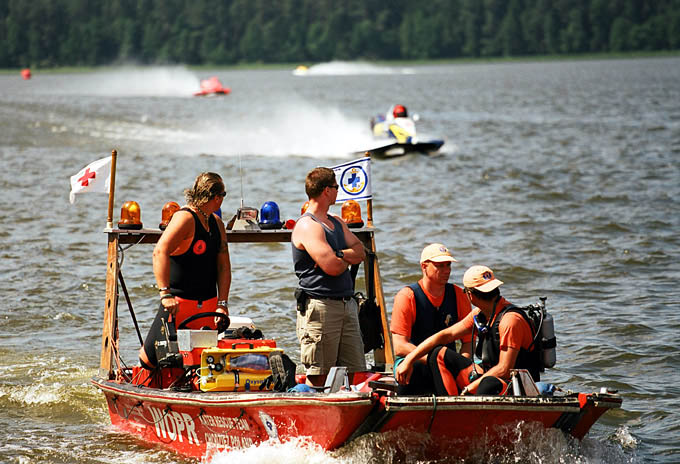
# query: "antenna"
246 217
240 171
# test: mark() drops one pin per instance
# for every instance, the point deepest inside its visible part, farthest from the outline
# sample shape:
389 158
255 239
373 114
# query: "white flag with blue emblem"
354 179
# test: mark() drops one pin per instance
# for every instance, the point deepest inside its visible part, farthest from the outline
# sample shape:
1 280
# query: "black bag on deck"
370 321
283 372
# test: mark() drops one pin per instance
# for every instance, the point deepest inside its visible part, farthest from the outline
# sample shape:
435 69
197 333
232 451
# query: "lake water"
563 177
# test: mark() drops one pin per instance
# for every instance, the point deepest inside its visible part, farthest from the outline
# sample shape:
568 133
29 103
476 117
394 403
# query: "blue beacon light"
269 216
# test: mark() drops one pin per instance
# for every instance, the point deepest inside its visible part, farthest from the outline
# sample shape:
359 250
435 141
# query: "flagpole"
369 205
112 188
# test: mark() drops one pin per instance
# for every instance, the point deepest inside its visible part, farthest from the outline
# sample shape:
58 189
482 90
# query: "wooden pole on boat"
112 188
110 329
369 205
388 353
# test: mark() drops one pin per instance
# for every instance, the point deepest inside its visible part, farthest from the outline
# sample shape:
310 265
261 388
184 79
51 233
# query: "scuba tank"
548 340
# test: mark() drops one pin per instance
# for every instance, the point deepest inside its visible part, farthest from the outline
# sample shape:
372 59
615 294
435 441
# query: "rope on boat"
434 411
129 303
152 422
120 363
121 254
122 250
127 414
114 400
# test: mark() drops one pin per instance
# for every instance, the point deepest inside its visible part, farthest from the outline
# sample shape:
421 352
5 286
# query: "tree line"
49 33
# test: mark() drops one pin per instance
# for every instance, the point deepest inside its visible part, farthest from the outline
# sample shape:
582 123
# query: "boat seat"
384 383
522 383
336 379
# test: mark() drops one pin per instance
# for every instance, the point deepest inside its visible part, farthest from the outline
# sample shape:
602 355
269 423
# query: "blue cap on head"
269 216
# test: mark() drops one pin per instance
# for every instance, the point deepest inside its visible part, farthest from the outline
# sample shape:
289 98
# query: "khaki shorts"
330 336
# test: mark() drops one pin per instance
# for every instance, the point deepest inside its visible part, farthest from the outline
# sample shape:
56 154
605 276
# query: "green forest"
55 33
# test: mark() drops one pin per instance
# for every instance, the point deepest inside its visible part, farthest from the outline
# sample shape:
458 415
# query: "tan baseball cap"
480 278
437 253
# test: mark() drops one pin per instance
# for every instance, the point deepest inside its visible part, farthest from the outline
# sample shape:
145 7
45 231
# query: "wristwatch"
340 254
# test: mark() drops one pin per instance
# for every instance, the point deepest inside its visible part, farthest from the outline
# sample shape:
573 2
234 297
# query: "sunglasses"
336 186
222 194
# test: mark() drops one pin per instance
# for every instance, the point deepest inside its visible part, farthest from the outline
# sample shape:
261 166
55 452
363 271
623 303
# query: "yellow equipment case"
243 367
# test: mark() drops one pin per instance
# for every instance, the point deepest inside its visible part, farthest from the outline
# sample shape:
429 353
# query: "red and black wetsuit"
193 280
193 274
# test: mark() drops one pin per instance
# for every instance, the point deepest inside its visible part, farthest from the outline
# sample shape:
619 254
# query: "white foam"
136 82
299 451
350 68
291 128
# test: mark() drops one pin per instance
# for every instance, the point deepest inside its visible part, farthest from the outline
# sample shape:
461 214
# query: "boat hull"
395 150
199 424
457 424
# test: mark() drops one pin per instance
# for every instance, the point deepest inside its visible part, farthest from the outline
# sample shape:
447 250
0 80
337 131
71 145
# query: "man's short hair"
318 179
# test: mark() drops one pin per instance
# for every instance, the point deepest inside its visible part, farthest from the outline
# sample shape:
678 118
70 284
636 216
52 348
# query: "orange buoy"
26 74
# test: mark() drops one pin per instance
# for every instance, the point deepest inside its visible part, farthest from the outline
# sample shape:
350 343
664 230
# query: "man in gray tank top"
323 250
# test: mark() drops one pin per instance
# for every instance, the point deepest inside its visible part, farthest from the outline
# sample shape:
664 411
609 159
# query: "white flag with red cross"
95 177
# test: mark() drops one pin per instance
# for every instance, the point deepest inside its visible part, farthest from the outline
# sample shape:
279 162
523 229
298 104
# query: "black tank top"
193 274
313 280
430 319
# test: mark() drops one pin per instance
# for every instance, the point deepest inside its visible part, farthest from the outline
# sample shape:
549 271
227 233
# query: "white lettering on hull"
174 426
215 441
229 423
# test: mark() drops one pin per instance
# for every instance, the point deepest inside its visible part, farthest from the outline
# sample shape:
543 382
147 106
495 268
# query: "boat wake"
530 443
289 129
350 68
169 81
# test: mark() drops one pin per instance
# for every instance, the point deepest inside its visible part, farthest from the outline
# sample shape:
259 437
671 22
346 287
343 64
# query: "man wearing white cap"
423 309
505 343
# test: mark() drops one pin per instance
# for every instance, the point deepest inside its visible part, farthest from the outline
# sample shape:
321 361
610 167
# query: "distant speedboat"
301 70
212 86
397 135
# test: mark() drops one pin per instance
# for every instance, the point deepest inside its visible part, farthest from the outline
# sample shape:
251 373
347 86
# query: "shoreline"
386 63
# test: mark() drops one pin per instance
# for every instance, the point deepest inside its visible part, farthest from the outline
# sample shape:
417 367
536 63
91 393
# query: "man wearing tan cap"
423 309
505 343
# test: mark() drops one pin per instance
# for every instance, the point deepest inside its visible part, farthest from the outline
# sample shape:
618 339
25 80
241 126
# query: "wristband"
164 289
223 303
167 295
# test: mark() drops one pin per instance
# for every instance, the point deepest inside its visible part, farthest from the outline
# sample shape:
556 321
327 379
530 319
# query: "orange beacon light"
351 214
169 209
130 216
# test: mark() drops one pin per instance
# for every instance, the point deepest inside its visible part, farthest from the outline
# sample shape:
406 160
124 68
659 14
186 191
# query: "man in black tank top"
191 263
323 249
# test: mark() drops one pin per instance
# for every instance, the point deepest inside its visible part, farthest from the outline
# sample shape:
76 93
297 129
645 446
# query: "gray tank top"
313 280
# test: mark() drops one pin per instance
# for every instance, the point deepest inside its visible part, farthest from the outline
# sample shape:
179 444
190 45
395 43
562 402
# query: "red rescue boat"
201 403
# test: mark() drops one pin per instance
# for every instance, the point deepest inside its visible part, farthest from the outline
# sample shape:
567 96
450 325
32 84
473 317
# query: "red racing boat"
202 402
212 86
